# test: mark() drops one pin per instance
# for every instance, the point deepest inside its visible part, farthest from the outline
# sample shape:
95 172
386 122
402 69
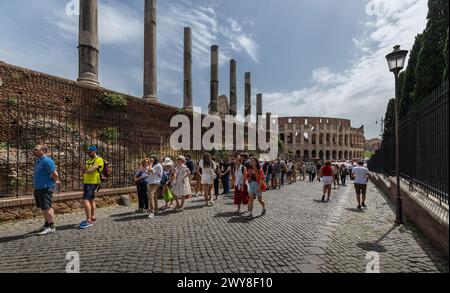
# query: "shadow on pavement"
227 215
17 237
123 215
131 218
320 201
371 246
355 210
197 207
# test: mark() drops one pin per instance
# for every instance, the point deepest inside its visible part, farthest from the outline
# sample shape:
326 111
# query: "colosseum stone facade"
310 138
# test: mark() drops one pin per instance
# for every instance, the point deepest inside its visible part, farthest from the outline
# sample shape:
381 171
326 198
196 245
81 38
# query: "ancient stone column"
268 125
233 88
88 48
214 109
259 105
248 94
259 109
187 100
150 53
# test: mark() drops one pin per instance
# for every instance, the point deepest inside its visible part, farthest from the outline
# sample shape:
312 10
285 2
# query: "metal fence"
423 147
122 141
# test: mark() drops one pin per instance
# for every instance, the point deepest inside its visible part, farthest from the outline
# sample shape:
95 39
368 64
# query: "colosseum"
313 138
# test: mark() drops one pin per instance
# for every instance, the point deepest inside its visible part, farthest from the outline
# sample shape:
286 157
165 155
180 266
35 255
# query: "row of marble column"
88 47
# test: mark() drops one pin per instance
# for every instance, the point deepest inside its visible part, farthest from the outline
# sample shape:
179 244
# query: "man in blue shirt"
45 177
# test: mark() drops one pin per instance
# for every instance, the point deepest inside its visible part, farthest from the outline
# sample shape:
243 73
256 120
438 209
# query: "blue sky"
308 58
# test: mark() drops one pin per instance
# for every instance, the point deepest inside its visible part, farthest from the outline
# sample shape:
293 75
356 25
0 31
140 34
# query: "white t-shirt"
156 175
208 174
360 175
289 166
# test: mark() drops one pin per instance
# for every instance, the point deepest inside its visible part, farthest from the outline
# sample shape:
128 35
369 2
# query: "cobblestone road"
298 234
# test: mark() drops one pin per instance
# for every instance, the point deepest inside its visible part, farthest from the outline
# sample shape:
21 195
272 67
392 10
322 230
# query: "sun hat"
167 162
183 158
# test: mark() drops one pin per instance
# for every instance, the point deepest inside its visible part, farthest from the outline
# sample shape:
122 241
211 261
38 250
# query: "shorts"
360 189
289 173
278 175
327 180
89 191
43 198
241 197
253 187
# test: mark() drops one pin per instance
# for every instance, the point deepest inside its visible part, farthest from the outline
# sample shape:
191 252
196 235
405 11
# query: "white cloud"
118 24
361 92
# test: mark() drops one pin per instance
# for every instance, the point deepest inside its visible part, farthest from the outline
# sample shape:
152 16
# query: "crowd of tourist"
176 181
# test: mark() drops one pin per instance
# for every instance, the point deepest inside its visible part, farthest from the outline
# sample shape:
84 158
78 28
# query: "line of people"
249 177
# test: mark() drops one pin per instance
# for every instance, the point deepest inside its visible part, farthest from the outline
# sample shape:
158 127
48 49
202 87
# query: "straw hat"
183 158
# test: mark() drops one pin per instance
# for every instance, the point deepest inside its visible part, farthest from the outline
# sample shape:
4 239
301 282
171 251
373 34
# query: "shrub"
12 101
3 145
114 100
16 182
110 134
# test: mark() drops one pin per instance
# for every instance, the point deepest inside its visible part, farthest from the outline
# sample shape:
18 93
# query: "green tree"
430 64
409 78
389 120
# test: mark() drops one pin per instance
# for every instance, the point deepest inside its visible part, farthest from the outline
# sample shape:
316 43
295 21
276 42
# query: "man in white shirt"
360 174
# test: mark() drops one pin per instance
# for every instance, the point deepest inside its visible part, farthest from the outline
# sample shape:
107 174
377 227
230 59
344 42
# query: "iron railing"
123 141
423 147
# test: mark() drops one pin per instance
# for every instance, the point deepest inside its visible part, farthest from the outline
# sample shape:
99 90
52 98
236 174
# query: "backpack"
105 172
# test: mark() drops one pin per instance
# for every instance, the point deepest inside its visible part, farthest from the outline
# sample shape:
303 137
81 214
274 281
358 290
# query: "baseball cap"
92 148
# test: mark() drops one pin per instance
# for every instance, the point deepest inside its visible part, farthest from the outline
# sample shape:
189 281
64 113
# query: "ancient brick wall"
68 116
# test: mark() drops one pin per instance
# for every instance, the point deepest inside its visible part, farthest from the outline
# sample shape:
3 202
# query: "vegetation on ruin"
114 100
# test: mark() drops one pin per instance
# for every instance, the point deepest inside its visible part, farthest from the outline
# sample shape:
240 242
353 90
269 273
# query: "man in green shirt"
91 180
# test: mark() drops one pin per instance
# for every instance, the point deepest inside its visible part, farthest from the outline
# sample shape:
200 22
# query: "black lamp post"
396 61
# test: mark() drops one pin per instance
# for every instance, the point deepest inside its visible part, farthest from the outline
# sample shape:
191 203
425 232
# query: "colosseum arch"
321 155
306 155
346 140
334 155
346 155
321 137
341 155
328 139
341 140
327 156
334 141
314 154
314 139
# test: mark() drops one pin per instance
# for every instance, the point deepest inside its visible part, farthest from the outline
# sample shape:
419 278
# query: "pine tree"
389 120
409 80
430 64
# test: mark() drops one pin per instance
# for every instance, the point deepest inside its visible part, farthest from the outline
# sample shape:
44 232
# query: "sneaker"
323 198
47 231
359 208
86 224
263 212
151 215
364 205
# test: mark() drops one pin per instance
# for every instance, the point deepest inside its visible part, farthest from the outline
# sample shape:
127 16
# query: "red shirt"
327 171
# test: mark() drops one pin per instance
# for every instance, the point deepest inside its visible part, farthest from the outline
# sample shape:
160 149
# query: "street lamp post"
396 62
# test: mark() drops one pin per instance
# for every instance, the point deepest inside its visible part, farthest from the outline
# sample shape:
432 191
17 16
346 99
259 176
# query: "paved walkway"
298 234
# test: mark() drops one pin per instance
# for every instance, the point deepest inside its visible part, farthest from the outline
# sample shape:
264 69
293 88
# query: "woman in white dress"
208 175
182 185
